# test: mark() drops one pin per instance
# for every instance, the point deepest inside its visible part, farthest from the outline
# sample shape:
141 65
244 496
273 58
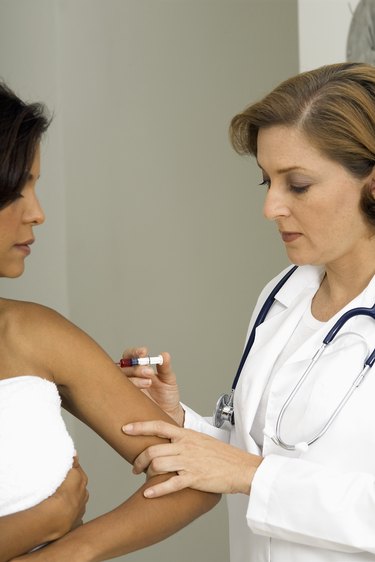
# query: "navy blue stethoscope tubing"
360 311
260 319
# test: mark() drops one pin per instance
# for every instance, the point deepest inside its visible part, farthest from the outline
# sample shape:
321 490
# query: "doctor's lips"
133 361
289 236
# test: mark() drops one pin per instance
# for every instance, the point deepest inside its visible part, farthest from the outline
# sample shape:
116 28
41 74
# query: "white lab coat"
318 505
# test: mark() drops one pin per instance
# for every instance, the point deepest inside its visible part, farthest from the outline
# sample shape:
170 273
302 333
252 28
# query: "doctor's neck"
340 285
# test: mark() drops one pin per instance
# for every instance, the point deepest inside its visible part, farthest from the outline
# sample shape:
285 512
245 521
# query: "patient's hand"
46 522
69 501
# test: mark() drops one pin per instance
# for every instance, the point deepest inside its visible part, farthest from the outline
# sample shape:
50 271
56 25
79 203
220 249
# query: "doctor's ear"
369 186
370 182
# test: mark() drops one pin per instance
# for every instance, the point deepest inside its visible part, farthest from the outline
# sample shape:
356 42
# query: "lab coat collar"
310 276
305 277
314 275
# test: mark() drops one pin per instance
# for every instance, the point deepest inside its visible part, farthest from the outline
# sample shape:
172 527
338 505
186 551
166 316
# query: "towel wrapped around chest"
36 451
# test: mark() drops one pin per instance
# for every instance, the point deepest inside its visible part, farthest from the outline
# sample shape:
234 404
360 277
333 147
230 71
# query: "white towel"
36 451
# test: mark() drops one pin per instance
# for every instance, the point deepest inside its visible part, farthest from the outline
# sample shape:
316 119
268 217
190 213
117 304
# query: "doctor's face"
314 201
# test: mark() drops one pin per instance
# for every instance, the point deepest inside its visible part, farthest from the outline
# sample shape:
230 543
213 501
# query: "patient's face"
17 220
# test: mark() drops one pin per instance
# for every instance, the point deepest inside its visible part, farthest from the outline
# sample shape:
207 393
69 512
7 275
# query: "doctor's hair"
22 126
334 106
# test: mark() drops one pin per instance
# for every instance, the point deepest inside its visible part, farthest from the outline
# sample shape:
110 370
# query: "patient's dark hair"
334 106
22 126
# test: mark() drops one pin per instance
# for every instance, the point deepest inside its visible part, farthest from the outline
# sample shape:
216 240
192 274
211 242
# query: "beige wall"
330 21
156 233
29 64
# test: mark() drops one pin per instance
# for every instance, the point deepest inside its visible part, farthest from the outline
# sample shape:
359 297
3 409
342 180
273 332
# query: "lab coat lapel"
271 337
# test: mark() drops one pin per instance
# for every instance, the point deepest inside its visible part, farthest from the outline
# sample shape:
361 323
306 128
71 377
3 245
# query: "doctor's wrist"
247 475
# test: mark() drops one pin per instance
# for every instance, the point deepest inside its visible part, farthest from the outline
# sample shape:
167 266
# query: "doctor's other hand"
160 385
200 461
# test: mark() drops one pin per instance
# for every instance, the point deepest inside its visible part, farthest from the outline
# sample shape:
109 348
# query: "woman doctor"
314 141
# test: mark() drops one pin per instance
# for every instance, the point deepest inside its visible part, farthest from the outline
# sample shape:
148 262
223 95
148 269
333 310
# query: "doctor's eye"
299 189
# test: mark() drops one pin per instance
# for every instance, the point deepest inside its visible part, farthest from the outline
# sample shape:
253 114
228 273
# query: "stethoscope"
224 410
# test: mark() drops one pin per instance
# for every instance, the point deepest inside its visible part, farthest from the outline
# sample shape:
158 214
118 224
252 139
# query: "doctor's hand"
159 385
200 461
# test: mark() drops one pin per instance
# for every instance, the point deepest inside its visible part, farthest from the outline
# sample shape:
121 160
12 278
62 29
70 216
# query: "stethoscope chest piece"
224 410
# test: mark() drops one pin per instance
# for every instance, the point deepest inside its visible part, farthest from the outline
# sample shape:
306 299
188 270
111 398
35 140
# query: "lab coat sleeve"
300 501
204 425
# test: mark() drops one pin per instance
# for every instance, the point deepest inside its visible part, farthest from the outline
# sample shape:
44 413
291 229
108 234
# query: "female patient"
45 357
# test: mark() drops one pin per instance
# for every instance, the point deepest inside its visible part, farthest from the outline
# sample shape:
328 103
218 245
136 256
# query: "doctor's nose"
275 205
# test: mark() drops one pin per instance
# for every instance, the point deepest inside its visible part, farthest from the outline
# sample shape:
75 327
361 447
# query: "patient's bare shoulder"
34 338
